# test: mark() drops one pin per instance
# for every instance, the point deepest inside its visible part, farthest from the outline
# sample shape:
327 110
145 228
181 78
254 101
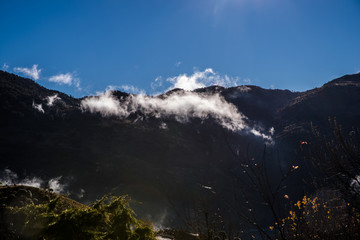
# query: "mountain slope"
338 99
151 151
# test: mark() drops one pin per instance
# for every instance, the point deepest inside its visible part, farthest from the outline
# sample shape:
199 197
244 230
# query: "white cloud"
191 105
33 72
52 99
156 83
188 82
181 105
8 177
257 133
81 193
163 126
131 89
38 107
66 78
178 64
62 79
272 131
5 67
200 79
105 104
247 81
32 182
56 186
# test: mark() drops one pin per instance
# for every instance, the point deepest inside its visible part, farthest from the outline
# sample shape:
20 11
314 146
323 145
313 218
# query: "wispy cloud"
131 89
62 79
266 137
38 107
52 99
182 106
67 79
177 64
190 82
8 177
272 131
56 186
105 104
33 72
81 193
156 83
5 67
247 81
198 79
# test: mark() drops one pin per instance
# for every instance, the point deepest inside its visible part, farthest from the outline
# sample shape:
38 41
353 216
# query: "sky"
84 47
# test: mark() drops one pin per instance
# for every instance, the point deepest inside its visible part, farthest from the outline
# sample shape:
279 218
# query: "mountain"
173 146
339 98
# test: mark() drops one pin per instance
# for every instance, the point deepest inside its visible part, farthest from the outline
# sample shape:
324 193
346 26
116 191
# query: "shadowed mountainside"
136 155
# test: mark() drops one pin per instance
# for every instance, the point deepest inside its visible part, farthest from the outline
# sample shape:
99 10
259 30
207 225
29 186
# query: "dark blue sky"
90 45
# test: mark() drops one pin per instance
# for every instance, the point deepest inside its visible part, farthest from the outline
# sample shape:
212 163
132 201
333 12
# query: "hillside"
338 98
33 213
164 147
21 196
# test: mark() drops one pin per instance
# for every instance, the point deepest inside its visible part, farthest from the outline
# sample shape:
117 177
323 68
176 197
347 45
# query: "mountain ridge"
159 148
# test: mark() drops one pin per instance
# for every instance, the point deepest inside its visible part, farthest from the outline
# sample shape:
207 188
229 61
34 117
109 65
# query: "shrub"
108 218
326 216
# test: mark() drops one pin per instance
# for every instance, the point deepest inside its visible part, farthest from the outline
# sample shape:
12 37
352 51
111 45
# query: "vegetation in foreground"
57 217
331 211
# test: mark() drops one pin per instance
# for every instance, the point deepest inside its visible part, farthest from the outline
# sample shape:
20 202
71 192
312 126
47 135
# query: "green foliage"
108 218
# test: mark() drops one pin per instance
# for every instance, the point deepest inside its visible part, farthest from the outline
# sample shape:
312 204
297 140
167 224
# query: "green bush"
108 218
